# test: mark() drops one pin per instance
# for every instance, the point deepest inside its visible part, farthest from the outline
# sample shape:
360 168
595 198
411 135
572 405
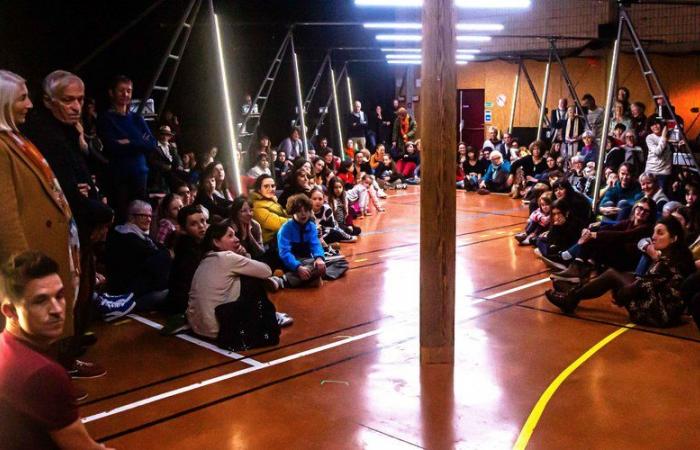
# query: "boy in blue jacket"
299 246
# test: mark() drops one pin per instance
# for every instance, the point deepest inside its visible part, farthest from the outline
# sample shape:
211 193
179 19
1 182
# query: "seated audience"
300 248
407 162
227 300
387 175
282 167
262 166
651 190
492 140
652 299
617 202
589 151
329 229
338 201
37 399
248 230
496 177
168 209
217 205
222 189
538 222
297 182
474 168
578 204
266 210
292 146
135 264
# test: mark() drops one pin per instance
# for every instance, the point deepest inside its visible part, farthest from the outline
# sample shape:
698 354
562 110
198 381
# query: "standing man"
165 163
504 145
594 114
128 143
358 126
557 121
37 399
378 128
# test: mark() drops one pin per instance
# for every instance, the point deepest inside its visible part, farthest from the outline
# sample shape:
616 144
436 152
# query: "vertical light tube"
235 172
300 104
606 118
543 106
336 107
347 77
516 89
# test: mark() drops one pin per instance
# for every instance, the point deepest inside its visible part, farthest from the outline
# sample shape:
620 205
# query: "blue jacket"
490 172
296 241
126 159
616 193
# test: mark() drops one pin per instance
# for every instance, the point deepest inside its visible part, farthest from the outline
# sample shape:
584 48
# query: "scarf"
572 125
405 124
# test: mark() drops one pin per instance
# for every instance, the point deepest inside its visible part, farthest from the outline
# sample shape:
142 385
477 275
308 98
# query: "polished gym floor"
346 375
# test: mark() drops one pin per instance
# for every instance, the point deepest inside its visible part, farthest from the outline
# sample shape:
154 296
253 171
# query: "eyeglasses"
644 210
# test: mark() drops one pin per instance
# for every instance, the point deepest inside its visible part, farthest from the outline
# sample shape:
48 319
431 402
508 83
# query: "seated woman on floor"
524 171
496 177
653 299
167 220
474 168
651 190
300 248
297 182
609 245
578 204
228 302
564 231
262 166
266 210
387 175
248 230
216 204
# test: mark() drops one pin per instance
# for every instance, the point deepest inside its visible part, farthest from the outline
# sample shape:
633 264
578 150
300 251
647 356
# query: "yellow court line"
541 404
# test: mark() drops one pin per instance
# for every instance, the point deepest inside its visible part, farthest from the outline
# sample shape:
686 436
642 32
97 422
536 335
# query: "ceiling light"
402 50
405 61
391 3
473 38
394 25
403 56
479 27
399 37
464 57
481 4
468 50
461 63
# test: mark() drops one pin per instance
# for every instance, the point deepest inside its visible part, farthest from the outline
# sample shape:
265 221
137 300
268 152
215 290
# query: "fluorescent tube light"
399 37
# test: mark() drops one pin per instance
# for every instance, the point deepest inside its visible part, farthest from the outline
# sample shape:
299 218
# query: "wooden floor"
346 375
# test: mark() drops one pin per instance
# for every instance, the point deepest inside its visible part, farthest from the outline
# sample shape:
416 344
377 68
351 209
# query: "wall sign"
488 104
487 115
501 100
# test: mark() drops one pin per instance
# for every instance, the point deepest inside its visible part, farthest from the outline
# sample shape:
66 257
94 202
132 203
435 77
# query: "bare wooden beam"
438 193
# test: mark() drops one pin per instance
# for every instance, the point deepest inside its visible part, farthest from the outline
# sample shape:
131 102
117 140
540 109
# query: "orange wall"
679 75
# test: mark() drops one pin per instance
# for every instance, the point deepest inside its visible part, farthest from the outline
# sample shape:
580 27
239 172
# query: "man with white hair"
496 177
358 126
135 263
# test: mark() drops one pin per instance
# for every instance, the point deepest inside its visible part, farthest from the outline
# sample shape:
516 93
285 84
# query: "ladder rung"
657 96
269 78
160 88
187 25
647 73
175 57
262 98
253 115
242 135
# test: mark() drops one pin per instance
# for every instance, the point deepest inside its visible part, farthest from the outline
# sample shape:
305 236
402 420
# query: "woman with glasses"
611 246
652 299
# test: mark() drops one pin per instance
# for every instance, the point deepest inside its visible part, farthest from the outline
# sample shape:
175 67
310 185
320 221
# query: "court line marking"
203 344
227 376
516 289
201 384
536 413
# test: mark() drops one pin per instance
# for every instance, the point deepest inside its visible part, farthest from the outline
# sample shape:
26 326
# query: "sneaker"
551 262
353 239
273 284
520 237
284 319
381 193
404 186
564 286
526 242
175 324
112 307
577 272
85 370
564 301
483 191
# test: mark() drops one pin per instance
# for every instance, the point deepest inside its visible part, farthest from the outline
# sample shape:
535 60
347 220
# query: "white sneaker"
381 193
284 319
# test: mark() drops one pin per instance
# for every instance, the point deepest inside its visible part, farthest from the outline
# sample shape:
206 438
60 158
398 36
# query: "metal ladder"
314 86
569 83
319 123
244 133
534 91
163 80
654 85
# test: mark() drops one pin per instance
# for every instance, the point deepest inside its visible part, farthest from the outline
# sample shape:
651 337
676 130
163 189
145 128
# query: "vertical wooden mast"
437 199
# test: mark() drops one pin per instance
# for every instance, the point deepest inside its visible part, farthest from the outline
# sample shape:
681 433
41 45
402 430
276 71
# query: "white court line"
194 340
228 376
275 362
516 289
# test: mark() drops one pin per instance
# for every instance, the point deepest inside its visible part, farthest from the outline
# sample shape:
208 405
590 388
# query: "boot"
578 271
565 301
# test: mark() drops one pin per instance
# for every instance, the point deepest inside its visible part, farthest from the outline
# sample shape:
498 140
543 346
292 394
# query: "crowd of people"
106 215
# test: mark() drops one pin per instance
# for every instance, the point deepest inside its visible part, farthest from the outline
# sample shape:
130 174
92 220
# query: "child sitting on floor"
359 198
538 222
330 231
300 248
338 202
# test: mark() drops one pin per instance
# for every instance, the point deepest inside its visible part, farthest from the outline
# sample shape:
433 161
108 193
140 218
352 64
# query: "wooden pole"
438 192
